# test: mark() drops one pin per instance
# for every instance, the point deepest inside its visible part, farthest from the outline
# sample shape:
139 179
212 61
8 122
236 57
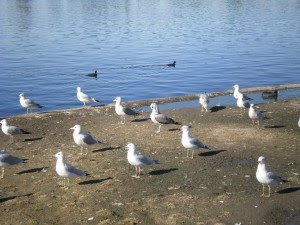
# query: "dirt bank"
218 186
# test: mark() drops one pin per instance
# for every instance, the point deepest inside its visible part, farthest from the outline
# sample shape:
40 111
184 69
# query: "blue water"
48 46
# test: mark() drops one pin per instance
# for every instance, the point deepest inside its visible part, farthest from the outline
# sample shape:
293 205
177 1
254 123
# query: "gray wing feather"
196 142
145 160
72 169
129 111
11 160
161 118
274 177
88 139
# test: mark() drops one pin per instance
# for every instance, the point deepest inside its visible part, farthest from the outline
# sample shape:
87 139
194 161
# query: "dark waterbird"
94 74
172 64
270 94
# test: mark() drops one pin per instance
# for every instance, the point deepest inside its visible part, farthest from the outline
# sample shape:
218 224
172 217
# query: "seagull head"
236 86
3 122
77 127
59 155
185 128
130 146
153 106
22 95
261 160
78 89
117 99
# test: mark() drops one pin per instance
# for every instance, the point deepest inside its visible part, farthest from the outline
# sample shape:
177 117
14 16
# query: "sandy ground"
217 187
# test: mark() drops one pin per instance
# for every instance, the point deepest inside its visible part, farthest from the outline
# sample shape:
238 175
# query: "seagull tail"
24 160
177 123
87 174
25 132
95 100
39 106
155 162
206 147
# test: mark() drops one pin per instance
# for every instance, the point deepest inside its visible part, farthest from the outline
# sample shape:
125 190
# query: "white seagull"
255 114
157 117
28 103
190 142
83 139
242 103
203 100
7 160
237 92
11 130
266 177
137 159
66 170
122 110
84 97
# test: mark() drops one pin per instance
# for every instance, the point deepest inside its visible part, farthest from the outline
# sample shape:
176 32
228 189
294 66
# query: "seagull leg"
187 153
201 108
2 175
158 130
192 154
138 176
252 123
86 151
81 148
136 172
258 123
269 191
263 194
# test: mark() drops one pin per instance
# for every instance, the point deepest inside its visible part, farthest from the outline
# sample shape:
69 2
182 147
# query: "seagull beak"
72 128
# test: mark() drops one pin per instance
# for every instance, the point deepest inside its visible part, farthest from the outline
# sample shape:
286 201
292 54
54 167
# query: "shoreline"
218 186
147 102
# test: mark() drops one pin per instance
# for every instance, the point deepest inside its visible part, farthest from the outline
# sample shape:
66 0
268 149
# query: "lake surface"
48 46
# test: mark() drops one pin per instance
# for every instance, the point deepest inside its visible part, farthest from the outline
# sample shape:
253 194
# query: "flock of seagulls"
134 157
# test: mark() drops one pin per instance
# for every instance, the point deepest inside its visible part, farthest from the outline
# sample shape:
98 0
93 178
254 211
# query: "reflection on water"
48 48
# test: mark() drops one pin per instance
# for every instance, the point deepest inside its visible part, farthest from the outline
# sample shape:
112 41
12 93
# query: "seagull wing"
162 118
11 160
71 169
129 111
196 142
88 139
144 159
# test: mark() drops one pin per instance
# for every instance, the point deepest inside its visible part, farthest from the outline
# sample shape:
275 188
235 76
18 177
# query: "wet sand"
217 187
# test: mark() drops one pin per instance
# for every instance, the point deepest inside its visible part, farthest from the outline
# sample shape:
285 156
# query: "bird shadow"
211 153
174 129
106 149
33 139
274 126
139 120
217 108
34 170
288 190
95 181
163 171
2 200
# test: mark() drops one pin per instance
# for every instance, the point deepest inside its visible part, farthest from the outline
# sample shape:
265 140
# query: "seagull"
28 103
11 130
83 139
137 159
255 114
299 122
122 110
190 142
203 100
7 160
266 177
241 102
237 92
84 97
66 170
160 118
